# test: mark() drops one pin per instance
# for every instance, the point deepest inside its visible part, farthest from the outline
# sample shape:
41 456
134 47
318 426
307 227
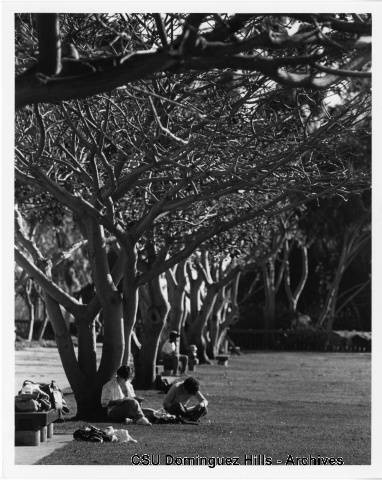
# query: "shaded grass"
270 403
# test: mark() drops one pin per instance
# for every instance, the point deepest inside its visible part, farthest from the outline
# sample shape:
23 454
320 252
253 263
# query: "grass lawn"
270 403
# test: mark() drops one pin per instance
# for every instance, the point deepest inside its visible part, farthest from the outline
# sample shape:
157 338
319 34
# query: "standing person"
118 396
171 358
179 397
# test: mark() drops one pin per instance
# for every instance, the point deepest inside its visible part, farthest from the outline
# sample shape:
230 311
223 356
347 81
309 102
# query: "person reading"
185 400
118 396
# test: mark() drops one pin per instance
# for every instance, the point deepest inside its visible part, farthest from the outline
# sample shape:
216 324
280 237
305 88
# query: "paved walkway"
39 365
31 455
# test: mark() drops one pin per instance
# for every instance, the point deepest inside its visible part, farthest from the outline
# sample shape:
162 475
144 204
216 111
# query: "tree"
161 167
355 237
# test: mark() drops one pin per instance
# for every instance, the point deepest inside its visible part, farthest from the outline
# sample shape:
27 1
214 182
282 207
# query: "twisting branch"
46 283
164 129
42 141
342 72
26 242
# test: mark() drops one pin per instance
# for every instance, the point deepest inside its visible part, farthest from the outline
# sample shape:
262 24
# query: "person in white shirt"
118 396
171 358
178 399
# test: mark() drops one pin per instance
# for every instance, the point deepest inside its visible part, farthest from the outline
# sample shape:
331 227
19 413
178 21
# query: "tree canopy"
296 50
158 135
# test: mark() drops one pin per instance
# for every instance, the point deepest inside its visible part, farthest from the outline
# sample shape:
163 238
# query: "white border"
9 470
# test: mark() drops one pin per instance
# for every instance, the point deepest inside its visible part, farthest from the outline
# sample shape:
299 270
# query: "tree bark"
294 296
130 300
328 311
111 301
130 307
28 292
154 308
44 322
222 335
176 284
270 302
353 241
231 312
64 343
49 43
195 333
215 321
87 353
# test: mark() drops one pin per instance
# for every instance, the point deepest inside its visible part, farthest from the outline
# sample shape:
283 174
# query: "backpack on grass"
89 433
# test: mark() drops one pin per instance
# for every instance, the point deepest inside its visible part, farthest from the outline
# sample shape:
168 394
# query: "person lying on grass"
179 396
118 396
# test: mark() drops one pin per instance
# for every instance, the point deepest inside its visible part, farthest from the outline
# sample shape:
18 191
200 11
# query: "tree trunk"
130 300
48 31
87 355
30 308
130 307
65 347
154 309
215 321
269 309
230 313
110 300
196 331
214 335
294 296
354 239
176 284
328 312
44 322
195 294
222 335
113 342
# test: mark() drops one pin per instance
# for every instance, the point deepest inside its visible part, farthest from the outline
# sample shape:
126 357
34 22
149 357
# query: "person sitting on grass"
179 396
171 358
118 396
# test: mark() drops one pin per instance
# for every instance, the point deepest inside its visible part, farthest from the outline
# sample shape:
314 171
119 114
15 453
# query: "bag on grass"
89 433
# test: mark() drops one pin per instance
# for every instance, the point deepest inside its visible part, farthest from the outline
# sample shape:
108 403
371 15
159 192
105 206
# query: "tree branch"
49 43
68 302
161 29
